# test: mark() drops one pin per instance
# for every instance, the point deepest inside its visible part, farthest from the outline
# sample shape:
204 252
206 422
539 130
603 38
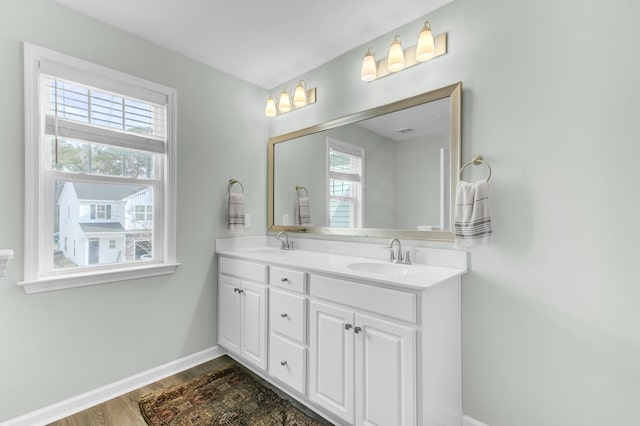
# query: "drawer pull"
283 315
347 326
283 363
357 329
284 280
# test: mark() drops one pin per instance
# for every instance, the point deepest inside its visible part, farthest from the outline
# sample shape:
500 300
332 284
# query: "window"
97 144
143 213
345 181
100 211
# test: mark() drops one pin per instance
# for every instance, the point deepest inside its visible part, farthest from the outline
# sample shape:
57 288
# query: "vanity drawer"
383 301
287 278
287 314
287 362
243 269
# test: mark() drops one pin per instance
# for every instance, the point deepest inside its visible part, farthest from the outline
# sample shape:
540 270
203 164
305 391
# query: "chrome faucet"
284 244
397 256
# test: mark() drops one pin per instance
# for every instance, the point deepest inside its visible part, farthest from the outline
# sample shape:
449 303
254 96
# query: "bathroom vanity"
359 340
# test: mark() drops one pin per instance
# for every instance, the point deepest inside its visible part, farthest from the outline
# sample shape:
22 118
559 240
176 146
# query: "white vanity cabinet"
242 306
358 349
362 366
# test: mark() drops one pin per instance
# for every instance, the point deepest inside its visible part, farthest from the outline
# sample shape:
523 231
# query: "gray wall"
551 322
301 162
59 344
418 181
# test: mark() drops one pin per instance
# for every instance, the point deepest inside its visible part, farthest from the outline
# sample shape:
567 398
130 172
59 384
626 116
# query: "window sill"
60 282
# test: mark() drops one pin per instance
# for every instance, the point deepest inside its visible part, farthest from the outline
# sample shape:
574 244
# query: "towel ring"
476 160
234 181
300 188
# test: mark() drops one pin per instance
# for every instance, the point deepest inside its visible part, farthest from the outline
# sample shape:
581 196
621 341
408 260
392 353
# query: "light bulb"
395 61
270 109
425 48
300 95
369 71
284 104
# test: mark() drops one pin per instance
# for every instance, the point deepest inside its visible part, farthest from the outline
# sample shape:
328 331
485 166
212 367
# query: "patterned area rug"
227 396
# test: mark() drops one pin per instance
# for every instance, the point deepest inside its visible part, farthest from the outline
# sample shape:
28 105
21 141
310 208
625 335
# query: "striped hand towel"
472 215
303 213
236 211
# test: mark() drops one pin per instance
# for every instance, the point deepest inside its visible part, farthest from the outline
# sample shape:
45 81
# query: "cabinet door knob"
235 289
240 291
357 329
283 315
283 363
347 326
285 279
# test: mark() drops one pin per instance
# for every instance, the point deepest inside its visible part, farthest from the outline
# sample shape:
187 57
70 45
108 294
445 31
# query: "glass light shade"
425 48
395 61
300 95
284 104
270 109
369 71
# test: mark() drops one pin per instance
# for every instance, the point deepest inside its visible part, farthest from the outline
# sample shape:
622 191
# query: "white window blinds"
76 111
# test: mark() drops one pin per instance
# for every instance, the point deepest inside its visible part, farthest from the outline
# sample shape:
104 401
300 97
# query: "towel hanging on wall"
472 215
236 206
303 210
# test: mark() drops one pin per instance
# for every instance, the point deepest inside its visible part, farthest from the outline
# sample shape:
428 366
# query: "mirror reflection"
379 172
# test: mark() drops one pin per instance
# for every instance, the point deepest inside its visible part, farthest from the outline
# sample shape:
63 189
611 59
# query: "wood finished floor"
124 411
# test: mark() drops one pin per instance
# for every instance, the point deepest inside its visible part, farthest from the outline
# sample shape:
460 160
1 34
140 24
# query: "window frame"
38 215
357 220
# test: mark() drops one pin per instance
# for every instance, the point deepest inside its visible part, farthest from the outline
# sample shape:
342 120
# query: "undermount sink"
382 268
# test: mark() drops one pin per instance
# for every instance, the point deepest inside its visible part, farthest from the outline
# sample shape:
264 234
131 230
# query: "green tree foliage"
101 159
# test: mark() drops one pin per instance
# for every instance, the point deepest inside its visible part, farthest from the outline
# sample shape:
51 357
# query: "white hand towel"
472 215
303 213
236 211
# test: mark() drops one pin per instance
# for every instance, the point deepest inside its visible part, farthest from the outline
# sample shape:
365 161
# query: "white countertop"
415 276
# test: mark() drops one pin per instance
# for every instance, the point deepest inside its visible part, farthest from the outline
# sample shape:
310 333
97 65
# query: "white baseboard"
81 402
470 421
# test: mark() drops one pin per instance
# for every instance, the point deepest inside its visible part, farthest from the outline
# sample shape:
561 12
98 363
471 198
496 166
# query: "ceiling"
265 43
421 121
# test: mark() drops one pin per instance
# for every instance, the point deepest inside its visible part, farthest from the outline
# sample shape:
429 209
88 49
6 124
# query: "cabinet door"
229 313
331 346
385 373
254 323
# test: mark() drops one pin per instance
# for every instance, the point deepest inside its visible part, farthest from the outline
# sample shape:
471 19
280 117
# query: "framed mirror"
390 171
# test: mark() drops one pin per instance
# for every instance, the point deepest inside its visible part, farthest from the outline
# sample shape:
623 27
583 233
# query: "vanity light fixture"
270 110
398 59
284 104
369 71
300 95
301 98
395 60
425 48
